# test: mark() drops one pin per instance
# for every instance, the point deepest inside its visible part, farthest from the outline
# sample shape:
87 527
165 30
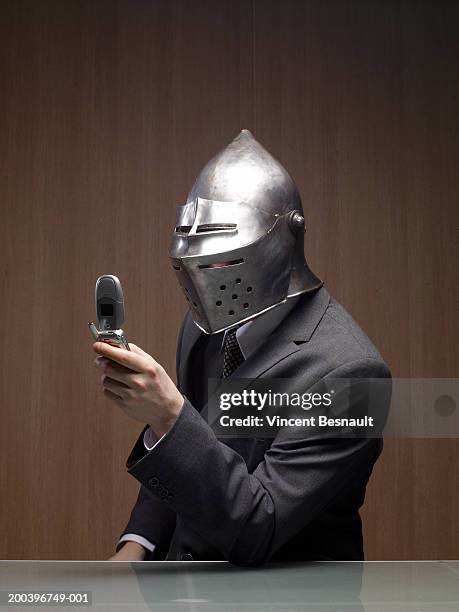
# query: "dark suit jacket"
250 501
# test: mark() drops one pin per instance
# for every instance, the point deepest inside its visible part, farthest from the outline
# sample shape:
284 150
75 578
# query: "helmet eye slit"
182 229
221 264
206 228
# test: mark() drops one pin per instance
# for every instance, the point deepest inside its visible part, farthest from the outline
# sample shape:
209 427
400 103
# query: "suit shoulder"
343 341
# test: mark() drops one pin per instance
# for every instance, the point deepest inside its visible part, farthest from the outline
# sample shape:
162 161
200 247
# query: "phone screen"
106 310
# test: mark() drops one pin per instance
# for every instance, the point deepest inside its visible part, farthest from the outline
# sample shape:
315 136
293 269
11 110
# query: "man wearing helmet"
255 311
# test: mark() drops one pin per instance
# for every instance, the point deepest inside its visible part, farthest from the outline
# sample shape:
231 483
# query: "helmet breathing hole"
246 305
231 312
249 289
218 303
223 287
238 280
234 296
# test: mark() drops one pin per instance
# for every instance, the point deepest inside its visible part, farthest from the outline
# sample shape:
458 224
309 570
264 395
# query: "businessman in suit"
256 310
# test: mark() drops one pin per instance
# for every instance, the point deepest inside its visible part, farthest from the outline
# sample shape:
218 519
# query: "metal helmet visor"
232 260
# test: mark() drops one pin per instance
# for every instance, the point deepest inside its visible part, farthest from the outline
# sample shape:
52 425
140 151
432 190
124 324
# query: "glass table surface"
322 586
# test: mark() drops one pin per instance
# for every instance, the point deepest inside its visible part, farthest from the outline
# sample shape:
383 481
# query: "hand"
130 551
139 386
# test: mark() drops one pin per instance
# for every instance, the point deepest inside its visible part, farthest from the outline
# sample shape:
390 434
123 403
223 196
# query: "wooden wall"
108 109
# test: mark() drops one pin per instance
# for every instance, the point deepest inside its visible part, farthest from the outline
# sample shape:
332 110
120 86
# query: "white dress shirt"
249 337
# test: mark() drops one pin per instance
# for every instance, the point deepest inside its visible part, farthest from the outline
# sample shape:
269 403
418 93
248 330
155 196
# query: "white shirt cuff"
133 537
150 439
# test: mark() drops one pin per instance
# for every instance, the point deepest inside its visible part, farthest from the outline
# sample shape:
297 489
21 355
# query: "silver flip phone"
109 312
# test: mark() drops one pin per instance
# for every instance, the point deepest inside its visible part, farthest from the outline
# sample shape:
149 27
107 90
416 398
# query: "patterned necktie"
233 356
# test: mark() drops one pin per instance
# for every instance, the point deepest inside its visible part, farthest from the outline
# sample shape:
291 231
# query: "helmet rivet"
296 220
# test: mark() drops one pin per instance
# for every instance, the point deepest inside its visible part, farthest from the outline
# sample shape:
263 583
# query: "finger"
109 377
137 363
101 362
121 374
136 349
106 365
115 387
112 396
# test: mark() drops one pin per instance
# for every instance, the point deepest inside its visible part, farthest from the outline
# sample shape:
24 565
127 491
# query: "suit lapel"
293 331
296 329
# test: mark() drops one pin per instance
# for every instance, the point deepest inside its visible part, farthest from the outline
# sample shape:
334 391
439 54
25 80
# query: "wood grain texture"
108 110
